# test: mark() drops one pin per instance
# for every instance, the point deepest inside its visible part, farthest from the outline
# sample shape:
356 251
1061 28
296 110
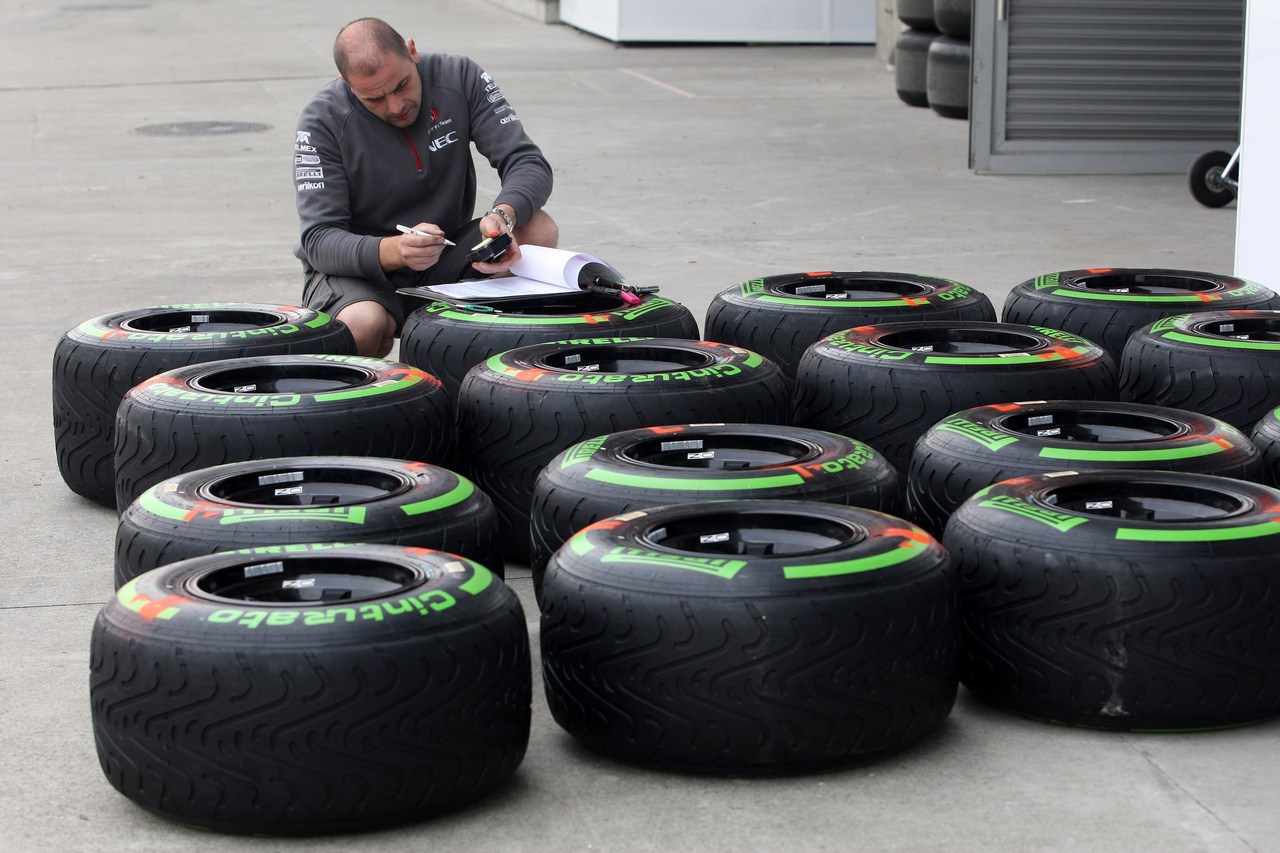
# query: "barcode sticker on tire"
275 479
708 538
264 569
691 444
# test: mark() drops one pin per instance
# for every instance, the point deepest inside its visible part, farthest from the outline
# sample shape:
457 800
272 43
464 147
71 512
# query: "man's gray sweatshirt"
357 176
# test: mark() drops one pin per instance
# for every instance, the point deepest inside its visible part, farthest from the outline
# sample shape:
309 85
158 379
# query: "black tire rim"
1091 425
720 451
618 359
767 533
960 340
305 486
1145 500
1214 182
852 287
295 581
1140 282
195 320
1240 328
284 379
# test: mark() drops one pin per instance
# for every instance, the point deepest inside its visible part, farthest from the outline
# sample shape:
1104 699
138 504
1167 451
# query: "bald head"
363 45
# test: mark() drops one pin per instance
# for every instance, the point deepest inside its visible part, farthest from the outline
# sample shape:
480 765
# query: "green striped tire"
1121 599
447 340
99 360
1109 305
520 408
780 316
310 688
974 448
273 406
1266 436
886 385
305 499
616 473
749 636
1220 363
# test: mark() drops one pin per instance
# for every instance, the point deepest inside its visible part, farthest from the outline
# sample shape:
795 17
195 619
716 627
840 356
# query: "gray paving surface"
689 167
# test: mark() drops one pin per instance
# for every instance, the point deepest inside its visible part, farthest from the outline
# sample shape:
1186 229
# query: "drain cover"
201 128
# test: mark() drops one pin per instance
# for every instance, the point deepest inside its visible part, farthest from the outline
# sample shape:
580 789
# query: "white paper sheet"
539 271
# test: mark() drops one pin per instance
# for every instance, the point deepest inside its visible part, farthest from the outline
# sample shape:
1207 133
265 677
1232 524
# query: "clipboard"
541 271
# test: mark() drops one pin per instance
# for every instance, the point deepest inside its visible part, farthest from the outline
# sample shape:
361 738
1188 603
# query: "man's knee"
540 230
372 326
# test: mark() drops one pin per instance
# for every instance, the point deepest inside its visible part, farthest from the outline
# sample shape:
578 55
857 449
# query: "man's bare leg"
373 327
540 230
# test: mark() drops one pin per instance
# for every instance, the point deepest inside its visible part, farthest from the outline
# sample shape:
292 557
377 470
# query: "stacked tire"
975 448
446 340
520 408
1120 599
235 410
305 499
886 385
1221 363
749 637
1266 437
635 469
96 363
948 60
322 688
1107 305
780 316
911 51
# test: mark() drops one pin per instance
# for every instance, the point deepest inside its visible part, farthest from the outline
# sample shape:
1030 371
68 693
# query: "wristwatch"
506 217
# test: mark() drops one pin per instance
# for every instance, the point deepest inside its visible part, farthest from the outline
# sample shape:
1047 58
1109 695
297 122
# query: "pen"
405 229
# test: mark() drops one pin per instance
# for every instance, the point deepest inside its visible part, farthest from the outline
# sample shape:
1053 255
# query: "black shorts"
332 293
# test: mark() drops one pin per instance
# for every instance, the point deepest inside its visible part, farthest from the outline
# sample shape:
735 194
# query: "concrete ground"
688 167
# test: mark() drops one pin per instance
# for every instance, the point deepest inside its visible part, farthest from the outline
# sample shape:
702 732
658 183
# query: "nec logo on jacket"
441 141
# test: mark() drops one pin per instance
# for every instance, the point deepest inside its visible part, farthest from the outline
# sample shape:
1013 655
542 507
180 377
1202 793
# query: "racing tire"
1121 599
910 65
780 316
969 450
886 385
447 340
1266 437
1220 363
305 499
635 469
520 408
954 17
947 77
749 637
311 688
1204 179
916 13
1109 305
99 360
273 406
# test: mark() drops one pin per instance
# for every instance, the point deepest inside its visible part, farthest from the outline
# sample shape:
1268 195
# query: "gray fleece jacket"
358 176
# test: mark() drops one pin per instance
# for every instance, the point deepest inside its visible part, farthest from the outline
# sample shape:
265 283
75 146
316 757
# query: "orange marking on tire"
152 609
